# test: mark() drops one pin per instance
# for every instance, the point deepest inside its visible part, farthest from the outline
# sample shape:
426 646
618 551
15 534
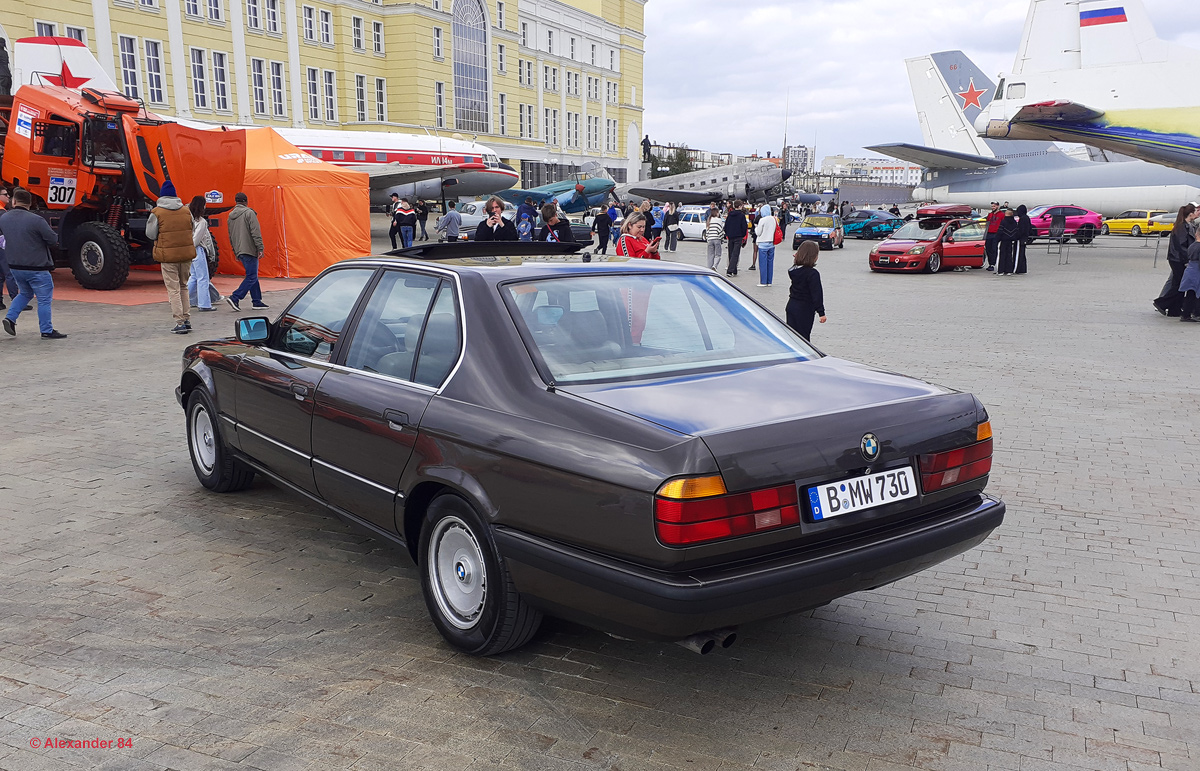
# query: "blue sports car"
871 223
825 229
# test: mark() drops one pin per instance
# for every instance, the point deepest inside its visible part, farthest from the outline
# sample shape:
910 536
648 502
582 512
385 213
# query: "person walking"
714 234
765 230
245 235
555 229
170 228
1170 301
806 298
199 286
422 211
449 224
735 230
670 232
1007 235
6 279
495 227
405 220
393 228
632 242
1189 285
602 226
28 244
991 243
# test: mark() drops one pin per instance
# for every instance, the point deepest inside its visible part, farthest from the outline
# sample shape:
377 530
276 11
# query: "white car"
691 222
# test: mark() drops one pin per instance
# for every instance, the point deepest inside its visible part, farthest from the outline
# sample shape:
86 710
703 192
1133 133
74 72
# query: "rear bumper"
638 602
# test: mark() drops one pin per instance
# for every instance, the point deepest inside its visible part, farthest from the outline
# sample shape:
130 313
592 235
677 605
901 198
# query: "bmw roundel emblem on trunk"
869 446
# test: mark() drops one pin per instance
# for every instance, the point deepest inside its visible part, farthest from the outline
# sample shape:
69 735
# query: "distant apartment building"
547 84
800 159
881 170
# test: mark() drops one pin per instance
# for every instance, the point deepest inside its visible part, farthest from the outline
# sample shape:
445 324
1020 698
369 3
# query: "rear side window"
312 325
440 341
386 338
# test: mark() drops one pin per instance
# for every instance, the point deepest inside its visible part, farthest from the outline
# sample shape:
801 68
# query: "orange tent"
312 213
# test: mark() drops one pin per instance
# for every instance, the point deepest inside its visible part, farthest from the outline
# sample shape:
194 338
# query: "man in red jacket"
991 244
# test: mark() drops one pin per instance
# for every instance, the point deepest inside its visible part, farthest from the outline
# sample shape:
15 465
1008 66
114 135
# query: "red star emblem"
66 79
971 96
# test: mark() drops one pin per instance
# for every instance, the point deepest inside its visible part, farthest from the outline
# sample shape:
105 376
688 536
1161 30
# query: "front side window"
605 328
312 326
471 95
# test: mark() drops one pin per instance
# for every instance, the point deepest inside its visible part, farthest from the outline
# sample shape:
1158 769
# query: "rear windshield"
817 222
921 230
624 327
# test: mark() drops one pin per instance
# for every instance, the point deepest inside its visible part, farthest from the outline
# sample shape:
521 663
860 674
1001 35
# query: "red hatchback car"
930 245
1084 225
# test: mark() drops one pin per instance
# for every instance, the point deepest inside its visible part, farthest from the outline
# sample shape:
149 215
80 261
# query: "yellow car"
1135 222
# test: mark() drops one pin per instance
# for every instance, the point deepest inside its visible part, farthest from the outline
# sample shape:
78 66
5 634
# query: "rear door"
368 410
276 384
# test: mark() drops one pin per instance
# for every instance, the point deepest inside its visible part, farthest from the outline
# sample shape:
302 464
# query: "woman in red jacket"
633 243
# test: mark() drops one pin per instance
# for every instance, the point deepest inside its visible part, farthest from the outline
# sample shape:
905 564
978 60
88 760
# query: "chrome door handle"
397 420
299 391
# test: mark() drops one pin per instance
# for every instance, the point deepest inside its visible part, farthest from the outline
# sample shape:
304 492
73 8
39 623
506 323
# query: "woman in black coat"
1170 301
806 297
1025 232
495 227
1008 235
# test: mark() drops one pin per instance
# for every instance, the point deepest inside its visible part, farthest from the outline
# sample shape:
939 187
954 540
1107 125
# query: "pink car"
1084 225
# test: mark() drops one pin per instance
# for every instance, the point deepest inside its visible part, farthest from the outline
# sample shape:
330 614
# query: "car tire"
214 464
99 256
1135 231
1086 234
1104 229
467 588
934 263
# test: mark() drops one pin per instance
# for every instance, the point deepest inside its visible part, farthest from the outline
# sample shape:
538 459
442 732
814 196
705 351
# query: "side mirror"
253 330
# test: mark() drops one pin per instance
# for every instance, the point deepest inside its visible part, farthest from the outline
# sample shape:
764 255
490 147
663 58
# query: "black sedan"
634 445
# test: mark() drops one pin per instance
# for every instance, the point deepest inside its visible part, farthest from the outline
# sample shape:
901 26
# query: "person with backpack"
766 232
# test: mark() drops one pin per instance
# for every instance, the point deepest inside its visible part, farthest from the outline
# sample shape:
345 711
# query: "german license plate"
865 492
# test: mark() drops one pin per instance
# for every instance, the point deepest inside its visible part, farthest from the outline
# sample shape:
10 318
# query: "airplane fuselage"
738 180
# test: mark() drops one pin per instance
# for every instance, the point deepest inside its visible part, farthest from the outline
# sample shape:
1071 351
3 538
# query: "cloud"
718 73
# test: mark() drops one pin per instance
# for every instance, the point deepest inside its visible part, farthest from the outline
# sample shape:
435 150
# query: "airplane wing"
676 196
1057 110
933 158
388 175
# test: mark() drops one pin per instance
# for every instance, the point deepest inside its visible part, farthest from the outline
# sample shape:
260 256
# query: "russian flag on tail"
1102 16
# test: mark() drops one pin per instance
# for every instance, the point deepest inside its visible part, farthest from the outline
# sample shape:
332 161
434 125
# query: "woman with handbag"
199 287
765 233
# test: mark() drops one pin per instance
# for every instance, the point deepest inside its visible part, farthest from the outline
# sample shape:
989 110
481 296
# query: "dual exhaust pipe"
705 643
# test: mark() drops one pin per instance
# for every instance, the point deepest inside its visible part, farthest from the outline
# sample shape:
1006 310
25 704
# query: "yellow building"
546 84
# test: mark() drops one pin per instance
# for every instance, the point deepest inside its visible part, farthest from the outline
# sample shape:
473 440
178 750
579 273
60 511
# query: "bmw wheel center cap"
869 446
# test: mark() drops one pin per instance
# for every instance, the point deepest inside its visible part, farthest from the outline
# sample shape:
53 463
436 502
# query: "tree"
678 162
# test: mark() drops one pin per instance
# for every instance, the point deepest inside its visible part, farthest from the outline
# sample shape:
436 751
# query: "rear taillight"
698 510
954 467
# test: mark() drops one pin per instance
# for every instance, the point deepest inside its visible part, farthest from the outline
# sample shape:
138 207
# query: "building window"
330 96
612 60
220 67
310 24
437 42
500 57
381 100
154 73
551 126
272 7
529 74
360 97
77 33
199 78
191 7
550 41
500 15
377 35
593 54
437 5
253 19
45 28
439 105
129 66
314 95
521 119
258 82
471 94
278 105
214 10
593 129
356 33
149 3
503 110
525 34
572 48
610 135
327 27
549 78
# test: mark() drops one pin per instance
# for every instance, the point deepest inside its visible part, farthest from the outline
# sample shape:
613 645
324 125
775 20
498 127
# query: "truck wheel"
99 256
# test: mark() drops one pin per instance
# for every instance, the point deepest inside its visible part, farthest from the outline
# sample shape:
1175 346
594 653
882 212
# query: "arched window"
469 29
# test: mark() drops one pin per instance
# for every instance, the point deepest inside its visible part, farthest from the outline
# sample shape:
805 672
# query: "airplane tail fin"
1090 33
950 91
58 61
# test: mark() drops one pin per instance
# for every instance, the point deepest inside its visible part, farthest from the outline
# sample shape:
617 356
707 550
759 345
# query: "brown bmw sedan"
634 445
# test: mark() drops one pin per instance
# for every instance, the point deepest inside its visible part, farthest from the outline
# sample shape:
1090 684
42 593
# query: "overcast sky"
718 71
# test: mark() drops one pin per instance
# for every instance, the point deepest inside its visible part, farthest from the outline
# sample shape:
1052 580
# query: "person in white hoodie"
764 233
199 285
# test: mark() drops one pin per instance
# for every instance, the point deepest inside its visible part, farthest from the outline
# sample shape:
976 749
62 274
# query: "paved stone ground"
252 631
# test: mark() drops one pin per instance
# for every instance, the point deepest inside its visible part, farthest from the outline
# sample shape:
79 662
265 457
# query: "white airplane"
748 181
1095 72
961 167
410 165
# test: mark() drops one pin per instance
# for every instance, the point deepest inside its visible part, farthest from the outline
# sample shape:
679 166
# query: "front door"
967 247
276 384
368 411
